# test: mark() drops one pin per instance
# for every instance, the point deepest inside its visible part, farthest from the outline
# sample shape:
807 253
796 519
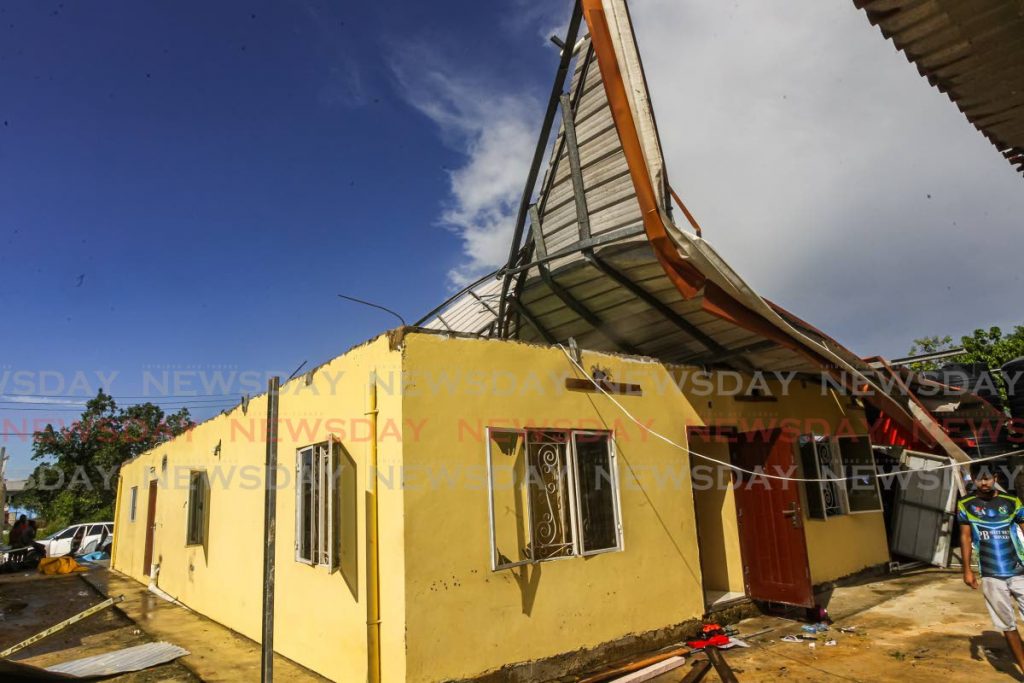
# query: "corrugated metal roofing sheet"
603 313
972 51
122 661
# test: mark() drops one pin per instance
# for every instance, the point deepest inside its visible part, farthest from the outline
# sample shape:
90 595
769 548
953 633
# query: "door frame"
147 558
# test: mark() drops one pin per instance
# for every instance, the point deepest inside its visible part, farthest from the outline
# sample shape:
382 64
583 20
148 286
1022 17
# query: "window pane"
859 465
549 495
306 504
598 527
829 468
509 498
809 469
323 491
196 508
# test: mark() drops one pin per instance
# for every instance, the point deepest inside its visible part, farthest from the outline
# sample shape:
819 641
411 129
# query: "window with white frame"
849 462
862 494
198 508
133 503
315 505
553 494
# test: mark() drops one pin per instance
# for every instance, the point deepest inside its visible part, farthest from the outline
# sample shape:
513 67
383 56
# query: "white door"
924 507
60 544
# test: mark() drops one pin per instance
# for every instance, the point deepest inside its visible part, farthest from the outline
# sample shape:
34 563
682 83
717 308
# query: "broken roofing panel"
598 258
972 51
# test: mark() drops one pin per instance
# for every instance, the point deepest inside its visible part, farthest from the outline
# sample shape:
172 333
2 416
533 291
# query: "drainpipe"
372 543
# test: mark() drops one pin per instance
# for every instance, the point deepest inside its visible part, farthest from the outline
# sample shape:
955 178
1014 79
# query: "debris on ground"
56 628
60 565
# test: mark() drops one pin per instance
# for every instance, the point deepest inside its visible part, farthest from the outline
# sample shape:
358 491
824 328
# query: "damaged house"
550 469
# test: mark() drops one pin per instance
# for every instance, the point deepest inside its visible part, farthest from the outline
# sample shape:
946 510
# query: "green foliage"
76 480
989 346
932 344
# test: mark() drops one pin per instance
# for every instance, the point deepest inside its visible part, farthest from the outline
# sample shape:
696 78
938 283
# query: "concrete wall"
467 619
320 620
840 545
445 614
717 525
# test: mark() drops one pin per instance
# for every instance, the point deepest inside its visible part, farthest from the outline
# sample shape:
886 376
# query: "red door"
772 542
147 558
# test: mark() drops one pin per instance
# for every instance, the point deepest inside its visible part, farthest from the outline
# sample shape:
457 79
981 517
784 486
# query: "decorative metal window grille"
553 494
315 505
847 460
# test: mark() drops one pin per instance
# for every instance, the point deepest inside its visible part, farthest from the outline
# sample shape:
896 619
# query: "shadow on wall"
347 520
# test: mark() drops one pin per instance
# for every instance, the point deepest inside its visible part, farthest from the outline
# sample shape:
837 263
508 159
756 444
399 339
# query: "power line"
755 473
124 398
75 400
78 409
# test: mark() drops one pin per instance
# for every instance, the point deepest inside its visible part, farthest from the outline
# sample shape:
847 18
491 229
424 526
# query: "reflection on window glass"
597 495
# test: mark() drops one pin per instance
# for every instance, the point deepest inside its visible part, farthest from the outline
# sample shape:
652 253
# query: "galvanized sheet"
122 661
972 51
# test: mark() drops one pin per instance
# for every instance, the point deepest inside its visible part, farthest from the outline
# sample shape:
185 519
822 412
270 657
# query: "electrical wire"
755 473
78 409
116 398
80 400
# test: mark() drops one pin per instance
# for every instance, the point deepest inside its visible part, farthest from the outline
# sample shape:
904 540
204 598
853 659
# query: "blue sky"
189 185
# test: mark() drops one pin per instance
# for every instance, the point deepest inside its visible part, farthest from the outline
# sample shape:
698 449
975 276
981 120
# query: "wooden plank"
652 671
698 670
721 667
578 384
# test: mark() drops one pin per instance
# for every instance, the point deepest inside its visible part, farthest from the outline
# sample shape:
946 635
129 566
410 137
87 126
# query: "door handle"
793 512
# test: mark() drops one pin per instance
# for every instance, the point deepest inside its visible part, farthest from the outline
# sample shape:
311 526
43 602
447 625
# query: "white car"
78 538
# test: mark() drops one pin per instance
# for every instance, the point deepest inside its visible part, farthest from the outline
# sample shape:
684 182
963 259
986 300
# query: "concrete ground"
30 603
923 626
217 654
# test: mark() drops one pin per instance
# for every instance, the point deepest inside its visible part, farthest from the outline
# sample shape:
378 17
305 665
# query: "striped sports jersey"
997 546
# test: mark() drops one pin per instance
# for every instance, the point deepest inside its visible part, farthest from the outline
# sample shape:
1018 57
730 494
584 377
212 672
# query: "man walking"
987 520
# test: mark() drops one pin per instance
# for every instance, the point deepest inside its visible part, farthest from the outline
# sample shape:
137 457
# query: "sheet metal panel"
122 661
972 51
923 524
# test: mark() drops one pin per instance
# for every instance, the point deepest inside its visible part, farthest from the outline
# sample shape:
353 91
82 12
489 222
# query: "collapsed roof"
597 256
972 51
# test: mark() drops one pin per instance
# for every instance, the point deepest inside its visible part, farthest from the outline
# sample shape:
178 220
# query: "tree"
76 480
934 344
989 346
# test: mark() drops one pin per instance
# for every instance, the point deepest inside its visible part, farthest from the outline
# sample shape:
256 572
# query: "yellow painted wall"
319 622
464 619
717 525
840 545
444 613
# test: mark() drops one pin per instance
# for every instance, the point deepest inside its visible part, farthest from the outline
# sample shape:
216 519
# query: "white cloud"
833 177
808 147
496 131
20 398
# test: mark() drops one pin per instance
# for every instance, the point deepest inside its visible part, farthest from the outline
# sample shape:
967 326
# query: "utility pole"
270 532
3 490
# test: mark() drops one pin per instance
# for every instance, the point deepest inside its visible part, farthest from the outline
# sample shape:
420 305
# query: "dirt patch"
921 629
30 603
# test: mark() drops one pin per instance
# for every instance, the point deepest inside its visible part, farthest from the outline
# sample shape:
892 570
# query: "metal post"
270 532
538 154
373 648
3 490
